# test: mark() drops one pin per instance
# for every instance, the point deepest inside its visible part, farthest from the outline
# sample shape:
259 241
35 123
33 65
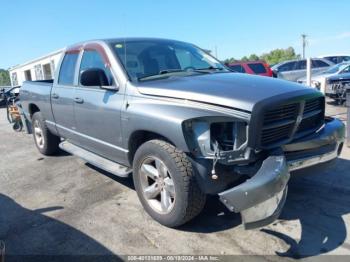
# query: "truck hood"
241 91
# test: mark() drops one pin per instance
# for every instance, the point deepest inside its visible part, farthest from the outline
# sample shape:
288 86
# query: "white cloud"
343 35
322 40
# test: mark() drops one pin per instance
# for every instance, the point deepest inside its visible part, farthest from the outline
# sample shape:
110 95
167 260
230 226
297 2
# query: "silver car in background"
319 80
336 59
293 70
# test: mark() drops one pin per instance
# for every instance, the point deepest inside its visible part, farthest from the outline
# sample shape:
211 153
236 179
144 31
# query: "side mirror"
94 77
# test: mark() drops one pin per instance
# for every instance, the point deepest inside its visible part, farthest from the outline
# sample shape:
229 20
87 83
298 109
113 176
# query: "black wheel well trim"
32 109
139 137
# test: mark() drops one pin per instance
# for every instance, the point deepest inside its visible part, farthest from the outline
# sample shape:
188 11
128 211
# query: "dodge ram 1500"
183 124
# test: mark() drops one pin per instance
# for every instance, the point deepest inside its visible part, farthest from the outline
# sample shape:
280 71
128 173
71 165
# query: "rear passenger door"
98 111
300 70
62 95
286 70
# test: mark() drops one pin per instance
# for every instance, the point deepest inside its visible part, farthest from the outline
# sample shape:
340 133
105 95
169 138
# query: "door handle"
55 96
78 100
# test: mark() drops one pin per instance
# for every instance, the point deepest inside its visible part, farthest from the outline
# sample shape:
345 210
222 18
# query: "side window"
301 65
333 59
287 67
345 70
345 58
92 59
237 68
258 68
319 63
67 69
14 79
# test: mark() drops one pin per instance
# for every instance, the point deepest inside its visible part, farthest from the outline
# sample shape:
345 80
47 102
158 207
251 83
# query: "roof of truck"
124 39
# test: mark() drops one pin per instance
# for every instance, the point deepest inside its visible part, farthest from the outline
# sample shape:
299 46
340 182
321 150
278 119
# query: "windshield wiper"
209 68
162 73
167 71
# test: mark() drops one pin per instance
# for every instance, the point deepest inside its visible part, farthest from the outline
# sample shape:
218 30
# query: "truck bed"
40 92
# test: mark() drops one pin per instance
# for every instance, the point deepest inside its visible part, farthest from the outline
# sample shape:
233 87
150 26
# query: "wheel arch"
32 109
139 137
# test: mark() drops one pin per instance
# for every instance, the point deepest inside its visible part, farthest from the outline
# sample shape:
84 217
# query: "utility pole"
303 37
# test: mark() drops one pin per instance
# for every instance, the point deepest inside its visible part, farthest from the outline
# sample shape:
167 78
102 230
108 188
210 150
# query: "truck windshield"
156 59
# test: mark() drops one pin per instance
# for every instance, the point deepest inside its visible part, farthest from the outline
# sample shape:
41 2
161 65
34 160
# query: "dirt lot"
61 205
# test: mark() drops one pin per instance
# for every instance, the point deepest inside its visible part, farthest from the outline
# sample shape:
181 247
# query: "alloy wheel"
157 185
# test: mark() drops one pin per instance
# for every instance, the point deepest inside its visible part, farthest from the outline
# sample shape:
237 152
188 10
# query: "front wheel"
165 183
46 142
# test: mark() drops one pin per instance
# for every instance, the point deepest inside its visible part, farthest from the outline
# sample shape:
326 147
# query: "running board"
96 160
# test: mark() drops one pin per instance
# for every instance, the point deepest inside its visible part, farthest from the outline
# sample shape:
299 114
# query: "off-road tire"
189 200
51 141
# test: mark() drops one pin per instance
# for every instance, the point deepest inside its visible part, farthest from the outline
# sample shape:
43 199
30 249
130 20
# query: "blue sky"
33 28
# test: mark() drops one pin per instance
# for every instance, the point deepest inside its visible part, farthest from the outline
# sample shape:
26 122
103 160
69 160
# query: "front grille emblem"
299 119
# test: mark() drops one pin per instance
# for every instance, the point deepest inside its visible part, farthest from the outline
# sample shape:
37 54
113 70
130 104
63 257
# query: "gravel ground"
62 206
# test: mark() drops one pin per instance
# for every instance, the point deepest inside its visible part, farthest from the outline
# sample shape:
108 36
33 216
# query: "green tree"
244 59
273 57
4 78
253 57
279 55
230 60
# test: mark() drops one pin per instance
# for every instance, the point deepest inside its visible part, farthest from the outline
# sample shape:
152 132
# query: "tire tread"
196 198
51 141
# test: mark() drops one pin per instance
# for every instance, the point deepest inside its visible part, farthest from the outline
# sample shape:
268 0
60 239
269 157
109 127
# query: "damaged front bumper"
261 198
321 147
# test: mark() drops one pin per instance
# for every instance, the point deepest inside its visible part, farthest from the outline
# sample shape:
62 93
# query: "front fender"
165 117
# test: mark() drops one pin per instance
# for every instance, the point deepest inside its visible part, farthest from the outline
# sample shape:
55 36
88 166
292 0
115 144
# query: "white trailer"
41 68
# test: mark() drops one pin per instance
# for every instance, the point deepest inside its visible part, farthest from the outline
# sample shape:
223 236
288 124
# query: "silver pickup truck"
183 125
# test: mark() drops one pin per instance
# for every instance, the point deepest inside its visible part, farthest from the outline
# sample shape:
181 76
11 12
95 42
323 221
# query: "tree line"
273 57
4 78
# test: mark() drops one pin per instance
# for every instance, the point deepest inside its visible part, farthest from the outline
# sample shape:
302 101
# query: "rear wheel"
165 183
45 141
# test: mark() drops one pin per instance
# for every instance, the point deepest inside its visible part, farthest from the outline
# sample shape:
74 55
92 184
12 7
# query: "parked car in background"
293 70
336 87
252 67
319 80
7 91
336 59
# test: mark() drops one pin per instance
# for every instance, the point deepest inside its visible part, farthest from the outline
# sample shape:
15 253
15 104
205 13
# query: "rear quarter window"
301 65
237 68
333 59
67 70
290 66
319 63
257 68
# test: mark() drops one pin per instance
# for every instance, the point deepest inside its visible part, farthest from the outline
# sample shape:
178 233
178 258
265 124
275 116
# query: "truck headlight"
205 136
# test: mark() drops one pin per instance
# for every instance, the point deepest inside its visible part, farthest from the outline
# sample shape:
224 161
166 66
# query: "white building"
42 68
